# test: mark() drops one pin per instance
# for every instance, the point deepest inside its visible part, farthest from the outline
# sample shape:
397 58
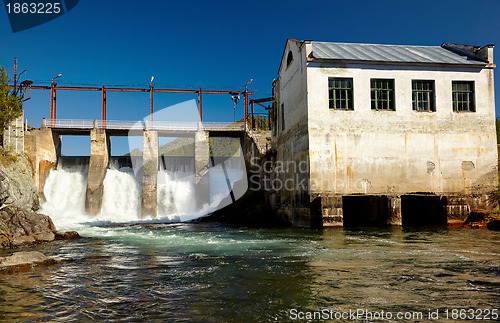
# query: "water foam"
65 191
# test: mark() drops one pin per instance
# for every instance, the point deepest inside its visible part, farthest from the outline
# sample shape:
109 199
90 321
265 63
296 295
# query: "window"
289 59
423 95
463 96
382 94
282 116
340 93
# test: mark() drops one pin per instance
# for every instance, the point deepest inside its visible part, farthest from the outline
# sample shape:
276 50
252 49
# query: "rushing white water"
121 197
121 202
64 191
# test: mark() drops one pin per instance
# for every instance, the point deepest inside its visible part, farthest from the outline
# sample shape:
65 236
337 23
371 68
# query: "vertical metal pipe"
269 117
253 116
245 110
103 107
151 102
51 101
15 75
55 102
199 104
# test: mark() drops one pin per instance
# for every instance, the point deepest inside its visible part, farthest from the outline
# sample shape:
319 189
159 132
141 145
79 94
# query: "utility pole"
15 75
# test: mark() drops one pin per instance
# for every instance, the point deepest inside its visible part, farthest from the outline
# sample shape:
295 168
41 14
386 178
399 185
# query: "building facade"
384 134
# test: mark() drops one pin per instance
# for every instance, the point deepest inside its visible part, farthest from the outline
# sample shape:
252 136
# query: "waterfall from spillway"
65 190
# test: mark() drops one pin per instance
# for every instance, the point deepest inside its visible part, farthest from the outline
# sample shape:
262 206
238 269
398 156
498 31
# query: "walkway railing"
142 125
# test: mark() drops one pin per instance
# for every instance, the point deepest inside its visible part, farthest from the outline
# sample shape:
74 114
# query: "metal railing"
142 125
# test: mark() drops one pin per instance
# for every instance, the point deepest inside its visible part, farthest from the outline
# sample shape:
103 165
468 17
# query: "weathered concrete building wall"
292 141
403 151
384 152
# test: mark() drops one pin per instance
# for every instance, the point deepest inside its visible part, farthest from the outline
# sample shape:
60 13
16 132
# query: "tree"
11 105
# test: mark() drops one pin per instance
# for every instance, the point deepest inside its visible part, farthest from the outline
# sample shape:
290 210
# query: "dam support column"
394 211
98 164
202 164
149 173
43 147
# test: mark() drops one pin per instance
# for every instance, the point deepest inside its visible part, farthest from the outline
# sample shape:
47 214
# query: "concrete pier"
149 173
98 164
202 164
43 147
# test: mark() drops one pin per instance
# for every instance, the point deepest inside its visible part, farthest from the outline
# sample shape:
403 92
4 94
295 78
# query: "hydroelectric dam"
43 146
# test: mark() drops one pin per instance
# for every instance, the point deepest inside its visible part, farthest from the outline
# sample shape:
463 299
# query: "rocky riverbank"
20 225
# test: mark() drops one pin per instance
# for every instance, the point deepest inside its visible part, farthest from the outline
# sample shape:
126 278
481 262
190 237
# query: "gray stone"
16 184
25 258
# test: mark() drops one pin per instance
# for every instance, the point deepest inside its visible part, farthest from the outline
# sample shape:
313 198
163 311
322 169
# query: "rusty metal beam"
261 100
267 108
89 88
123 89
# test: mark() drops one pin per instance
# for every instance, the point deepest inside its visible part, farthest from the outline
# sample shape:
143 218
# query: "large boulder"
19 227
16 183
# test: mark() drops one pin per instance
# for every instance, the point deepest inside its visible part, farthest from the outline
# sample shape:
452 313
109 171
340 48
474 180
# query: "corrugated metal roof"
390 53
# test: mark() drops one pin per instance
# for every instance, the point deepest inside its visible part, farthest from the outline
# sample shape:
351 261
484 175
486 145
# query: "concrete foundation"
150 173
42 147
98 164
202 164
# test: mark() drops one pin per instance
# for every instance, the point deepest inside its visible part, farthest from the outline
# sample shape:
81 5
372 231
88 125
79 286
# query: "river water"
214 273
128 269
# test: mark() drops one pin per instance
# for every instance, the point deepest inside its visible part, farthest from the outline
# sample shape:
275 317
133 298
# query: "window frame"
348 93
430 93
471 102
390 92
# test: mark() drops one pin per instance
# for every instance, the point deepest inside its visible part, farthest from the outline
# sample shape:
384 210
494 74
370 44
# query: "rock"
70 235
22 240
19 227
19 224
25 259
16 183
477 215
494 225
4 187
44 236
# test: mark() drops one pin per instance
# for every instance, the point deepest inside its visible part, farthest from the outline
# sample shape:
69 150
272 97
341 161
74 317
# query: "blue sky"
212 45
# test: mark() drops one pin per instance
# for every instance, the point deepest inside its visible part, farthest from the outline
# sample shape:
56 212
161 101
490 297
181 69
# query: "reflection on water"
194 272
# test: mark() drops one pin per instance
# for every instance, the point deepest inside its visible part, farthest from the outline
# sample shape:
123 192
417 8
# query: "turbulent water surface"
207 273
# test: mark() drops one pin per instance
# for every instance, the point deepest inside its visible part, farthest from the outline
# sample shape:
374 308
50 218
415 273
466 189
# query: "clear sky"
212 45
